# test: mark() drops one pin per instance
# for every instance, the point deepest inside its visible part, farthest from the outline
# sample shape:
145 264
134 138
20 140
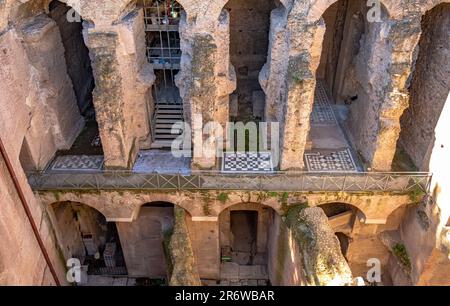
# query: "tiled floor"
329 149
330 161
247 162
322 110
77 163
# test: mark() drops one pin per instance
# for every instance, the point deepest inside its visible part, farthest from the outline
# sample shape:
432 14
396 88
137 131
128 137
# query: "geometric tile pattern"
322 111
334 161
249 162
78 162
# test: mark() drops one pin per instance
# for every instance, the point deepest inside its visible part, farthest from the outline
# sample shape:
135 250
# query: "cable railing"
394 182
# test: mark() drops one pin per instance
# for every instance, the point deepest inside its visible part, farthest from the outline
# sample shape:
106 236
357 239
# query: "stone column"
205 242
122 98
403 36
36 90
206 79
304 57
273 74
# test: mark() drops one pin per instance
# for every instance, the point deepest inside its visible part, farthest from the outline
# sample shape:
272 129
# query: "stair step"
173 106
174 116
163 126
170 111
168 131
166 136
161 144
167 121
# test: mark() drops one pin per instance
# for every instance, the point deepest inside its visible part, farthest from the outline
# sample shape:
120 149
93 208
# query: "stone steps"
166 116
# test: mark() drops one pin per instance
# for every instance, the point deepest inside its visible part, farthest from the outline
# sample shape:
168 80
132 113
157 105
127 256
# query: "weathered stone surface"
185 271
322 258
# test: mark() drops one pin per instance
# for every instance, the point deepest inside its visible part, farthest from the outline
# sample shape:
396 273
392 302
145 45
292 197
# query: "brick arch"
98 209
354 205
318 7
274 205
163 198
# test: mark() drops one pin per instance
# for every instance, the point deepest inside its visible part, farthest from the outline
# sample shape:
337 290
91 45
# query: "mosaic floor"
322 110
77 162
247 162
331 161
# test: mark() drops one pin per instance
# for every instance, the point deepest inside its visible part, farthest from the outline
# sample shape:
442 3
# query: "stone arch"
145 237
173 199
275 205
332 209
83 232
343 206
317 9
91 202
77 7
244 233
254 28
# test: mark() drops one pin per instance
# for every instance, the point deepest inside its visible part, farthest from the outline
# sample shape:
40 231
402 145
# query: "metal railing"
397 182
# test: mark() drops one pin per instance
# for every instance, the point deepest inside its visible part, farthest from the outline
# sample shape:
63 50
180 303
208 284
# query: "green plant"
223 197
416 194
284 198
401 253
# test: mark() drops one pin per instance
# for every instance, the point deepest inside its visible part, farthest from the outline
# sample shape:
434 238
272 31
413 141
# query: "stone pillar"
273 75
121 97
36 91
304 57
205 242
205 80
390 94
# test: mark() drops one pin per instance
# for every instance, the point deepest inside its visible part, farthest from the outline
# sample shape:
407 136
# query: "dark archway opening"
79 69
249 43
162 33
243 225
85 234
145 242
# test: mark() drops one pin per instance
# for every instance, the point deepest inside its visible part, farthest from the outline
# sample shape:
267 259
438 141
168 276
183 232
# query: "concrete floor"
233 274
161 162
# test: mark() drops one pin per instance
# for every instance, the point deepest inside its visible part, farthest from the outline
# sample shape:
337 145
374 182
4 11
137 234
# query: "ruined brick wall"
429 87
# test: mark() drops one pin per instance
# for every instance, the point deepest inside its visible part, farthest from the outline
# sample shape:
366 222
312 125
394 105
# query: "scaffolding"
162 18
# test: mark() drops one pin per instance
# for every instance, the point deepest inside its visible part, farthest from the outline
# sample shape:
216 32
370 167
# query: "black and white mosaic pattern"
330 161
78 162
250 162
322 111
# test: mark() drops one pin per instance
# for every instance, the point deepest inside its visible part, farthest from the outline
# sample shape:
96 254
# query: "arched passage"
343 94
341 217
429 89
145 239
244 242
249 46
79 69
84 233
162 33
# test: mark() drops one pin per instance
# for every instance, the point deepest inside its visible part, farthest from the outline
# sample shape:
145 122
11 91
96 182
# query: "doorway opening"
162 23
249 44
243 226
79 69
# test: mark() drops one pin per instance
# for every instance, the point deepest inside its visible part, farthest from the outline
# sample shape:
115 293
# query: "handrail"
292 181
